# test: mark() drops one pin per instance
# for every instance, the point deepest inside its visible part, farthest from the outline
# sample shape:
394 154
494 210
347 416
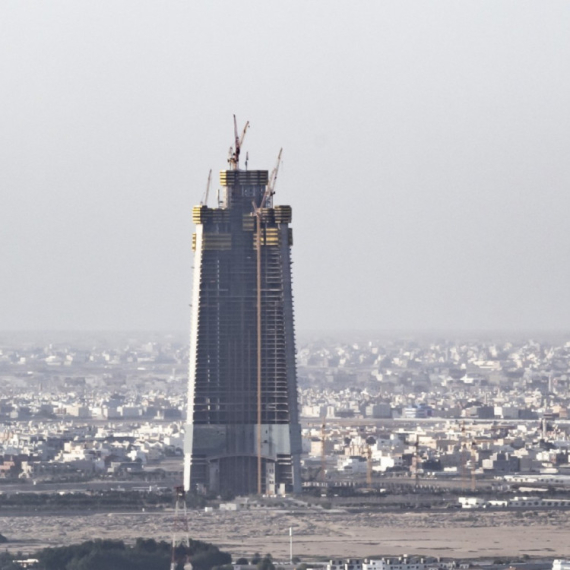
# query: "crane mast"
267 197
233 159
323 476
369 466
204 201
270 190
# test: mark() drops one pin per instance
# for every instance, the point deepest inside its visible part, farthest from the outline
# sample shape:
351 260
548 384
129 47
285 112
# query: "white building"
400 563
77 411
345 564
353 465
471 502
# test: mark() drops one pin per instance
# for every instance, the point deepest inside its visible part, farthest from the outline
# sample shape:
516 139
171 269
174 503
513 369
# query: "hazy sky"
425 156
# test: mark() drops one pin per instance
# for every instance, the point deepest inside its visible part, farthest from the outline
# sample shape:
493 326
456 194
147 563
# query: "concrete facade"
228 435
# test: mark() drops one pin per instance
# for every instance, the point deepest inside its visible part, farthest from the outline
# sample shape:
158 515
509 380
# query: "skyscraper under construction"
243 433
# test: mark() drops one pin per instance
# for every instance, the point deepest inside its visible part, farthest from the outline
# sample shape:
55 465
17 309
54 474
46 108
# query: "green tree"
207 559
266 563
7 563
59 558
146 554
120 560
150 545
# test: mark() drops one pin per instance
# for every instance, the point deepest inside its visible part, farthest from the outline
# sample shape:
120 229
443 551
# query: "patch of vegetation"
266 563
99 500
7 562
146 554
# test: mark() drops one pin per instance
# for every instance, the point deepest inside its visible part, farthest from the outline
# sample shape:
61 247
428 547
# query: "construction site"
243 434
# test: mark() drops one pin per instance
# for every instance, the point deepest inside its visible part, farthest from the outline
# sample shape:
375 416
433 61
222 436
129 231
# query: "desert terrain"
317 534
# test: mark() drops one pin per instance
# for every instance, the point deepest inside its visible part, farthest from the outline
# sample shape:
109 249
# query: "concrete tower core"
242 401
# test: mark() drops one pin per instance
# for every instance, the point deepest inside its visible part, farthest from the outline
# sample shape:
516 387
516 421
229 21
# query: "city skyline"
349 351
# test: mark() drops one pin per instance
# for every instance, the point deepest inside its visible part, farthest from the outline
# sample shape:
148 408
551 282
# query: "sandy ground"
317 534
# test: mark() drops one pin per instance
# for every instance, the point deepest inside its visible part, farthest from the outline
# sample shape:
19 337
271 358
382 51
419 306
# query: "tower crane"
204 201
473 465
323 450
270 190
462 459
416 457
233 159
259 343
180 532
417 461
369 466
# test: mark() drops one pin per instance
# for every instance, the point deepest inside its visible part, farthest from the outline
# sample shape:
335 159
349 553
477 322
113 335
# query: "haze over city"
425 156
352 355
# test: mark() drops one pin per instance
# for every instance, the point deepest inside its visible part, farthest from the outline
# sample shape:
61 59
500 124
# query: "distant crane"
473 465
323 476
369 466
257 214
204 201
415 466
462 456
417 461
233 159
180 532
270 190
